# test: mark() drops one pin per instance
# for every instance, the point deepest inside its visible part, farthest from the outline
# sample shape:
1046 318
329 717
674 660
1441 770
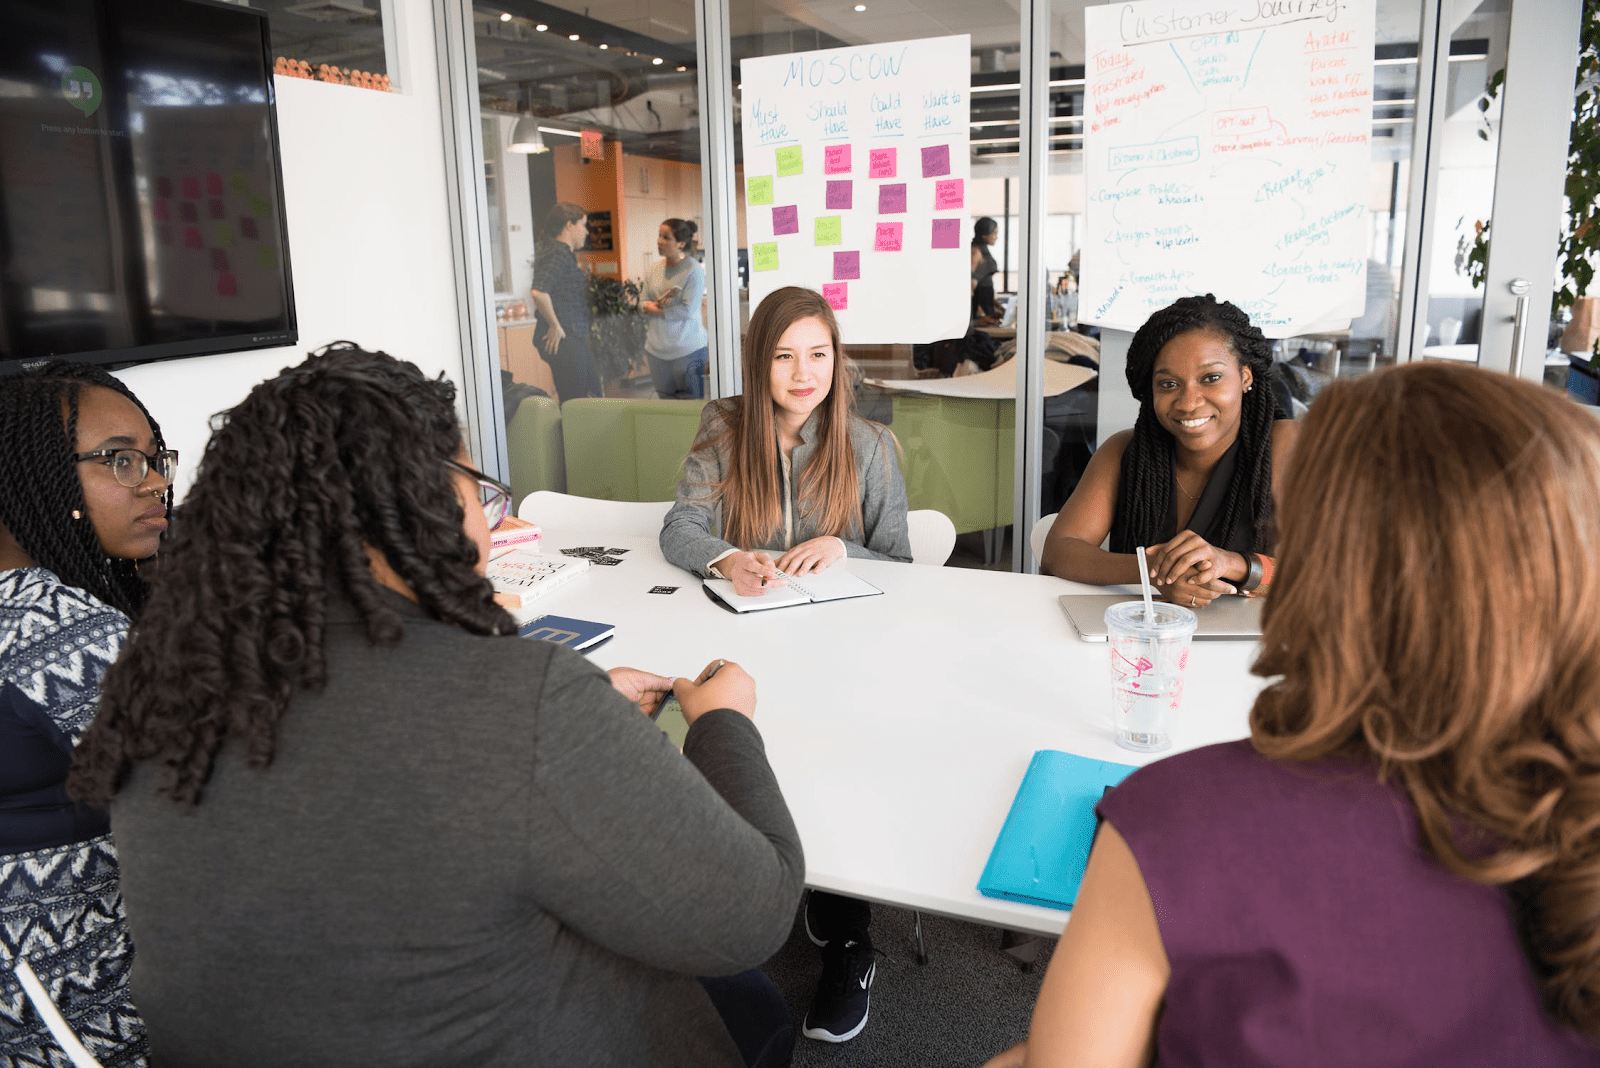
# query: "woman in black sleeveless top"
1193 481
984 233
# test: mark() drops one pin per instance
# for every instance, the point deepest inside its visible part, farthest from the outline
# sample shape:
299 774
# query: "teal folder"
1044 846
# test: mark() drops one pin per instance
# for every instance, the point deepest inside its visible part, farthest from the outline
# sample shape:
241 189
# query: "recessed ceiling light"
603 47
861 7
656 61
572 37
541 27
505 16
683 68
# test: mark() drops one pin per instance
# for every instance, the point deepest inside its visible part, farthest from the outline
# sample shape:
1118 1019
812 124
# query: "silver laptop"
1235 618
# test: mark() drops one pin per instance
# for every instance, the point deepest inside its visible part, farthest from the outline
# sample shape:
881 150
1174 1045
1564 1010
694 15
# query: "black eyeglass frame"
488 483
151 461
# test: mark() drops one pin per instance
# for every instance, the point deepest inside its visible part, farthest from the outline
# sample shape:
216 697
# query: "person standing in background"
560 292
675 337
985 232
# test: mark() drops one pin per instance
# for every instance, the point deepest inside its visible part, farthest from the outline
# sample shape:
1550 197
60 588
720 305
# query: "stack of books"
513 533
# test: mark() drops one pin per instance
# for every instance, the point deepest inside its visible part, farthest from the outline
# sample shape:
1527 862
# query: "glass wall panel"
593 106
957 450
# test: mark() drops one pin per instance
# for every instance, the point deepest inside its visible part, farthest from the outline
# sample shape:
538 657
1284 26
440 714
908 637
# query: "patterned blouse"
60 904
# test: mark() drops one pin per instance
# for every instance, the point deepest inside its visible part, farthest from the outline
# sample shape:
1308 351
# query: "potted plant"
616 328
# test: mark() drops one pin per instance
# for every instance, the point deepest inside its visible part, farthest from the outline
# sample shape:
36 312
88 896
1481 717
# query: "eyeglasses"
131 467
495 496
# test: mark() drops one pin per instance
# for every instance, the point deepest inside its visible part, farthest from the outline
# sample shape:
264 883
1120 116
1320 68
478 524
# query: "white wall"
364 192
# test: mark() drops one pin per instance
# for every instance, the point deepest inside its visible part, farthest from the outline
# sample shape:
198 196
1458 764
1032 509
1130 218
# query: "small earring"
1247 389
77 514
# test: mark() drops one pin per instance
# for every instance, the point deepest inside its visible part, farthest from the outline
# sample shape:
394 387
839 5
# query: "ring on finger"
1191 600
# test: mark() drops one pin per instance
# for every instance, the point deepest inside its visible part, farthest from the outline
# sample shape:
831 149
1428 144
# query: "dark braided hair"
1144 496
41 488
344 451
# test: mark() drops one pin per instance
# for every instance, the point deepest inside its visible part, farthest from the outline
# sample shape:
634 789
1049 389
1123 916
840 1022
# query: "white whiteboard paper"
1227 151
856 166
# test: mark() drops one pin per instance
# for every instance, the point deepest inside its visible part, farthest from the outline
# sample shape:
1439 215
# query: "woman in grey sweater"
363 822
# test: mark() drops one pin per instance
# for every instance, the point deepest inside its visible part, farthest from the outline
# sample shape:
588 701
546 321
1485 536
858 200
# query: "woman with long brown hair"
789 468
1399 866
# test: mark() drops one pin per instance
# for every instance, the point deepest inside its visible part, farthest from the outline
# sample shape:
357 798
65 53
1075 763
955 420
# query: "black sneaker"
839 1010
807 914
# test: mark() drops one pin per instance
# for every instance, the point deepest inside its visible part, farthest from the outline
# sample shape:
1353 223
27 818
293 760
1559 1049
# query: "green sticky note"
224 232
766 255
239 182
758 191
789 161
260 206
267 257
830 230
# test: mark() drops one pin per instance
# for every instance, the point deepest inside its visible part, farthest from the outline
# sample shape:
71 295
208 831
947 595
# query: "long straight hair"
1436 613
829 494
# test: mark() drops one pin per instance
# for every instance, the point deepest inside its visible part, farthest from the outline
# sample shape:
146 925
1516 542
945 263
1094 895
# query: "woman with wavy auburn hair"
1399 866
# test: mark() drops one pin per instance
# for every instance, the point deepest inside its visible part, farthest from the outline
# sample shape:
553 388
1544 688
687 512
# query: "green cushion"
621 449
534 448
953 457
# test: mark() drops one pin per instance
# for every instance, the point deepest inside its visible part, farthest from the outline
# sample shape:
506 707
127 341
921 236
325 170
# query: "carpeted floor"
969 1002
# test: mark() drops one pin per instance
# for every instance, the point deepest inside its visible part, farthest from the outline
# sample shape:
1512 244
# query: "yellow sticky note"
224 235
830 230
239 182
758 191
765 254
260 206
789 161
267 257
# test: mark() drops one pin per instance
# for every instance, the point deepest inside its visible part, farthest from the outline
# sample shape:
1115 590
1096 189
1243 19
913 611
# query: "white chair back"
1041 531
933 536
48 1012
557 510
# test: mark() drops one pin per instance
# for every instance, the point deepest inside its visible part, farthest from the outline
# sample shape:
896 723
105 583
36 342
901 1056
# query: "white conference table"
900 726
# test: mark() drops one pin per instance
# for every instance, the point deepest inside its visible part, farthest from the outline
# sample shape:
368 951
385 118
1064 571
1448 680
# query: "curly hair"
1144 495
1436 613
344 452
41 488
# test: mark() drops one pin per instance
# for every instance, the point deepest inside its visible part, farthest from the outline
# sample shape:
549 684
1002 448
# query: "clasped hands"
1189 571
754 573
723 684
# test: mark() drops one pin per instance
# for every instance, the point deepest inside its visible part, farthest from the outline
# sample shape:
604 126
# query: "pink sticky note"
227 285
881 163
187 211
948 194
837 294
213 185
836 159
947 233
158 210
846 265
839 194
219 260
935 160
891 198
888 237
247 228
786 220
214 208
191 237
191 187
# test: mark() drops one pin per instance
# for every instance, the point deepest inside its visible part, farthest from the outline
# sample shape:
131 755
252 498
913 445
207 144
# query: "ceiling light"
572 37
541 27
683 68
656 61
505 16
525 138
603 47
861 7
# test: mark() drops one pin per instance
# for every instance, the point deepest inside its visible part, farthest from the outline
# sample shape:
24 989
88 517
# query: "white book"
834 584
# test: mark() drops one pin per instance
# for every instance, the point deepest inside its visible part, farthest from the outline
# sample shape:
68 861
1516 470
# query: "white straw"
1144 580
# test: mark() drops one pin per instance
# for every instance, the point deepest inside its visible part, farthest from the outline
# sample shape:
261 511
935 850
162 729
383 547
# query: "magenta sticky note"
935 160
892 198
837 294
786 220
213 185
839 194
846 265
227 285
881 163
158 210
214 208
247 228
888 237
187 211
191 237
947 233
836 159
191 187
948 194
219 259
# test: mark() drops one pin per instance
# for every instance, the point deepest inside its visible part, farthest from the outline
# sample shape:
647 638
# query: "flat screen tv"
141 195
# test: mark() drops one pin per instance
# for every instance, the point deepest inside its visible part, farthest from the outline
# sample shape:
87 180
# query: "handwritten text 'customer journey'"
856 170
1227 150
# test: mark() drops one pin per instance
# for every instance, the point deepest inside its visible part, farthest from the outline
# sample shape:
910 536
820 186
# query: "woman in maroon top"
1399 866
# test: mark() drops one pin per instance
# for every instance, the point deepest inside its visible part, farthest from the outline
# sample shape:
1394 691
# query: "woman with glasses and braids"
1193 481
364 823
83 499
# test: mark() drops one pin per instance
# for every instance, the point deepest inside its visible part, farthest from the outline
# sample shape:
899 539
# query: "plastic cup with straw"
1149 658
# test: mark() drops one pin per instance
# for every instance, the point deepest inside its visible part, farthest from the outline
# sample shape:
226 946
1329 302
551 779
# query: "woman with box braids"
84 480
1193 481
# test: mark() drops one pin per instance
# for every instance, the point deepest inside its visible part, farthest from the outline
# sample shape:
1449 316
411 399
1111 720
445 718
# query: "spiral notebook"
834 584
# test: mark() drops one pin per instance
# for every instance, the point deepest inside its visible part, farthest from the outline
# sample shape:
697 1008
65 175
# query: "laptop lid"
1226 618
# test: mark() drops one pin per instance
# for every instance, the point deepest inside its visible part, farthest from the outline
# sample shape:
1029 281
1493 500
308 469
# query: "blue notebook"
573 633
1044 846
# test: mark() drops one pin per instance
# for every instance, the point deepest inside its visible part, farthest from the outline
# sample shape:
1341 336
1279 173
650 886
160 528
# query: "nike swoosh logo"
865 979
